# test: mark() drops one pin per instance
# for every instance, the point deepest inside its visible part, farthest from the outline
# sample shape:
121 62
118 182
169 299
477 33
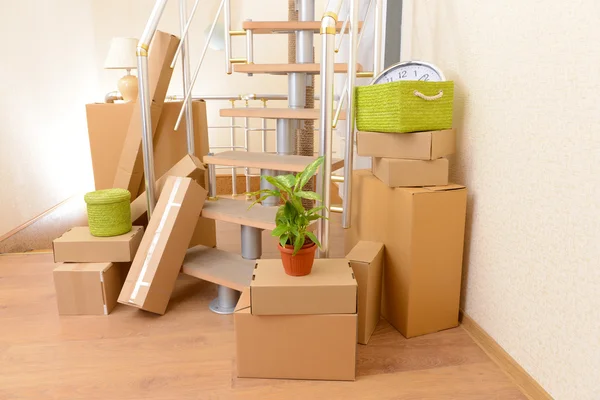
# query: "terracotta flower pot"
301 263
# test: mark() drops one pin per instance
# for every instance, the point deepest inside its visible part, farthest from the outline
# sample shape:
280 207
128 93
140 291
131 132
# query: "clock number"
403 75
424 77
415 72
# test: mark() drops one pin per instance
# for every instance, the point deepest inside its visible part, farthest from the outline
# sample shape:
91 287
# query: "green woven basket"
404 106
109 212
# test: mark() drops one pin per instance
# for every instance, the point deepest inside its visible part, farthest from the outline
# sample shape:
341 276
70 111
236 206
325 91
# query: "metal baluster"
185 69
247 147
264 127
232 140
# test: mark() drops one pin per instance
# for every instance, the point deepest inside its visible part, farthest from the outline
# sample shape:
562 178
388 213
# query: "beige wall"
47 74
527 110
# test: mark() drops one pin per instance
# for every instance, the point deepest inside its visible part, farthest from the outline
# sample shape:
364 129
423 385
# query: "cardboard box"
189 166
88 288
330 288
107 129
155 267
406 173
130 169
78 245
294 346
412 146
423 233
366 260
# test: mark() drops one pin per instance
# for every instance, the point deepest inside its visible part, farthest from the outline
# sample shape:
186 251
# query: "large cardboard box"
294 346
88 288
130 169
405 173
366 260
189 166
330 288
155 267
423 233
414 146
78 245
107 129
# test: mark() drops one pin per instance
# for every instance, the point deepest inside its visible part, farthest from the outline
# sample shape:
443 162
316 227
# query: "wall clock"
410 71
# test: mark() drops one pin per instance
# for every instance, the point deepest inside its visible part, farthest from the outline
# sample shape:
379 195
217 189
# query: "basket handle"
429 98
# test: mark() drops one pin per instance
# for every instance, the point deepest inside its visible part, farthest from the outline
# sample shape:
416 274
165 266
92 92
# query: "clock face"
410 71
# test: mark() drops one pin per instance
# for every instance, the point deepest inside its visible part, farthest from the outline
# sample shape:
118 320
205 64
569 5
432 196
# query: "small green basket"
405 106
109 212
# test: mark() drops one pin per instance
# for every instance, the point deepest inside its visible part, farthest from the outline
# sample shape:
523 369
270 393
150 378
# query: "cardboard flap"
243 304
365 251
445 188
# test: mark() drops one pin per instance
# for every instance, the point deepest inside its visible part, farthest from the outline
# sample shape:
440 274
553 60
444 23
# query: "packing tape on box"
163 220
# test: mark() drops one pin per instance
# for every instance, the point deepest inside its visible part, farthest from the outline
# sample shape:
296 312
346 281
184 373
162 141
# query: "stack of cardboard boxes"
407 204
298 327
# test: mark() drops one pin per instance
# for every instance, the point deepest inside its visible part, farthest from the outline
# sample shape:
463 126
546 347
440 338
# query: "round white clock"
410 71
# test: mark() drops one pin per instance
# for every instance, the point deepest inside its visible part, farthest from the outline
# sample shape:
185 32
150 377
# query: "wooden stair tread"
261 160
267 27
280 69
274 113
237 212
218 266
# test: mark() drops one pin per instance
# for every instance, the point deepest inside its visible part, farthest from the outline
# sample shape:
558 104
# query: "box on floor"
366 260
410 173
88 288
78 245
423 233
159 258
412 146
321 346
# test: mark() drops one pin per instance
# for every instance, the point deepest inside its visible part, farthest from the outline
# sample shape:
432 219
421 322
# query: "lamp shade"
121 54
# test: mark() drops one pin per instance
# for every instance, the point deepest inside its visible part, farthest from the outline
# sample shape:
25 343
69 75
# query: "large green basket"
405 106
109 212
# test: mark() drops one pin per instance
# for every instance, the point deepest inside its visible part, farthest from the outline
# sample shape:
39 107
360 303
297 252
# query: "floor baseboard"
519 376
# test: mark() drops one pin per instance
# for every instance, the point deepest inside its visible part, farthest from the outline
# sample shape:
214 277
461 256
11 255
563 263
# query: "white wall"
527 113
47 74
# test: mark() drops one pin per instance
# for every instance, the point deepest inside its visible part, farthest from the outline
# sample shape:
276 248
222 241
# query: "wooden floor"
189 352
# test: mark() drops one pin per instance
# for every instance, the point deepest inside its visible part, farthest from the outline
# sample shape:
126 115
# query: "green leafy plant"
292 219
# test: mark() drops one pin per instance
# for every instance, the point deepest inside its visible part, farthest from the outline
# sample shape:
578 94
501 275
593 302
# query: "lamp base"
128 86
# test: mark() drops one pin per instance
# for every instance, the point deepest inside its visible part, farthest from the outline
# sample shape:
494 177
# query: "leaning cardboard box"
205 233
299 346
130 170
88 288
157 263
78 245
423 233
366 260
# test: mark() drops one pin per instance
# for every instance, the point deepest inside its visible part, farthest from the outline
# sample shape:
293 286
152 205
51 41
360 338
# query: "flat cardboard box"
78 245
107 129
189 166
413 146
130 169
406 173
423 233
294 346
88 288
155 267
330 288
366 260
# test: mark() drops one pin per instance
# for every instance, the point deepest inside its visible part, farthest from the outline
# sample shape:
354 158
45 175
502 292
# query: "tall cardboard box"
412 146
366 260
205 232
78 245
423 233
159 258
319 346
88 288
130 169
330 288
107 129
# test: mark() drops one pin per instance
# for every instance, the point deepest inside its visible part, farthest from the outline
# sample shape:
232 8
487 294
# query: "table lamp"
122 56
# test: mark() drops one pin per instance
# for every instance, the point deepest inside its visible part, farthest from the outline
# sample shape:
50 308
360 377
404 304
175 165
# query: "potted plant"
297 244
